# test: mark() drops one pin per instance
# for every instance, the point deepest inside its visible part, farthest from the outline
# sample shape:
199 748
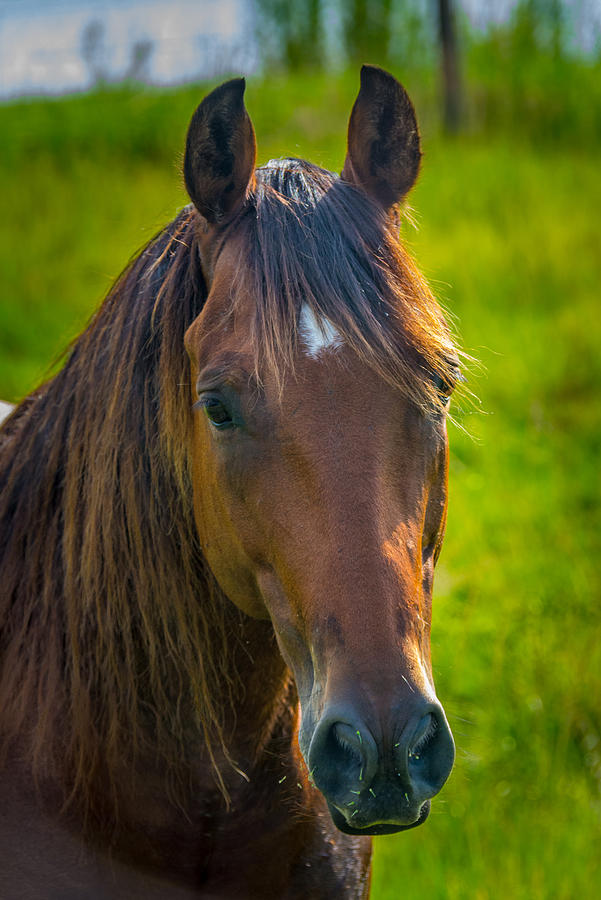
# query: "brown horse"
217 566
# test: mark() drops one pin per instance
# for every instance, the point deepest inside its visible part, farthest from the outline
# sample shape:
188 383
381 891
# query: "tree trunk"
451 86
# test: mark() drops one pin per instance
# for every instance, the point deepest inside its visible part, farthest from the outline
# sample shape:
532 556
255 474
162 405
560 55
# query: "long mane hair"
113 638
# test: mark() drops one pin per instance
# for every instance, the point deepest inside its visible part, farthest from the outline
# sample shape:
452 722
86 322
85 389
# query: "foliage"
367 29
522 79
510 239
528 75
290 33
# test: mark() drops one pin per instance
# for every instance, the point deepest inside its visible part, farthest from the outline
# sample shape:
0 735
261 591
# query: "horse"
218 530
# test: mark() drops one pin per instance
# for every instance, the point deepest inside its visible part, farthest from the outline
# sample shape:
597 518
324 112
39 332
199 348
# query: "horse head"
321 369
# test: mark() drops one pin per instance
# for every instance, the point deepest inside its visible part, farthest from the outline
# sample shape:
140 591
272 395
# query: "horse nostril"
421 736
342 757
350 741
430 754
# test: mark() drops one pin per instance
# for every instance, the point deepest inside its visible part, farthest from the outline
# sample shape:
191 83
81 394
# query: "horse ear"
383 153
220 152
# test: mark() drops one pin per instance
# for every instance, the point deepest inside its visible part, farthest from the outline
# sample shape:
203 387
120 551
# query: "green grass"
509 236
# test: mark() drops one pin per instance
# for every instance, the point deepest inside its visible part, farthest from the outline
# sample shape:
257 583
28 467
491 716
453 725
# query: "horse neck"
262 704
259 707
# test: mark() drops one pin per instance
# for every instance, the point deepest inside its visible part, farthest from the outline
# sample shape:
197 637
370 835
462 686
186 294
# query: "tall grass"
509 235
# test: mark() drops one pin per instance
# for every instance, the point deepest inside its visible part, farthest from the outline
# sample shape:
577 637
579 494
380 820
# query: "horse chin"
376 828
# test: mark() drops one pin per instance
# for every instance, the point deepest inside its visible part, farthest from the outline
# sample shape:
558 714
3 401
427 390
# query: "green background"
508 233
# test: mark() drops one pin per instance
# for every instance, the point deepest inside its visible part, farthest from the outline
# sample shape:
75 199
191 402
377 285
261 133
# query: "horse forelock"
313 243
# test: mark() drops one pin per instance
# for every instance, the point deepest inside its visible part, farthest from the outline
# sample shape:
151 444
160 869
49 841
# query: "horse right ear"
220 154
383 153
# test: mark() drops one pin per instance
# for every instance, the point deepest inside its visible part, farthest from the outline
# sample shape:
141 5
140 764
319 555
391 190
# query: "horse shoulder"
43 861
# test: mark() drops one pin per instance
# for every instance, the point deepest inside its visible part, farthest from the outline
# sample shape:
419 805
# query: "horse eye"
444 387
217 413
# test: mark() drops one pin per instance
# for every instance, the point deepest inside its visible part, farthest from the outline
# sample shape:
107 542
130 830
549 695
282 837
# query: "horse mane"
110 629
113 636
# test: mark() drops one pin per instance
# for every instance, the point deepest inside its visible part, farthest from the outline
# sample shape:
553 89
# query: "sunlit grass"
509 239
509 235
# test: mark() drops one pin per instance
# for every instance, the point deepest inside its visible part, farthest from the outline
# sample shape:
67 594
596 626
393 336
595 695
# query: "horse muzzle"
380 785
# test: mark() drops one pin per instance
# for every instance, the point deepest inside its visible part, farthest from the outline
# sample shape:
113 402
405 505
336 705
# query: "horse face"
320 502
321 505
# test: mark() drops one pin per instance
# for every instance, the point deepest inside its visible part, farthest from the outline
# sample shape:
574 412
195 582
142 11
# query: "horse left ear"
219 163
383 153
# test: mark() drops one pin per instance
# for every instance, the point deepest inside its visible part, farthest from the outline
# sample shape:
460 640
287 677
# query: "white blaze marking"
318 334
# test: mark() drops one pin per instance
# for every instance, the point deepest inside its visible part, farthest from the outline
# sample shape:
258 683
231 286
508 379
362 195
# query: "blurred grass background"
509 215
